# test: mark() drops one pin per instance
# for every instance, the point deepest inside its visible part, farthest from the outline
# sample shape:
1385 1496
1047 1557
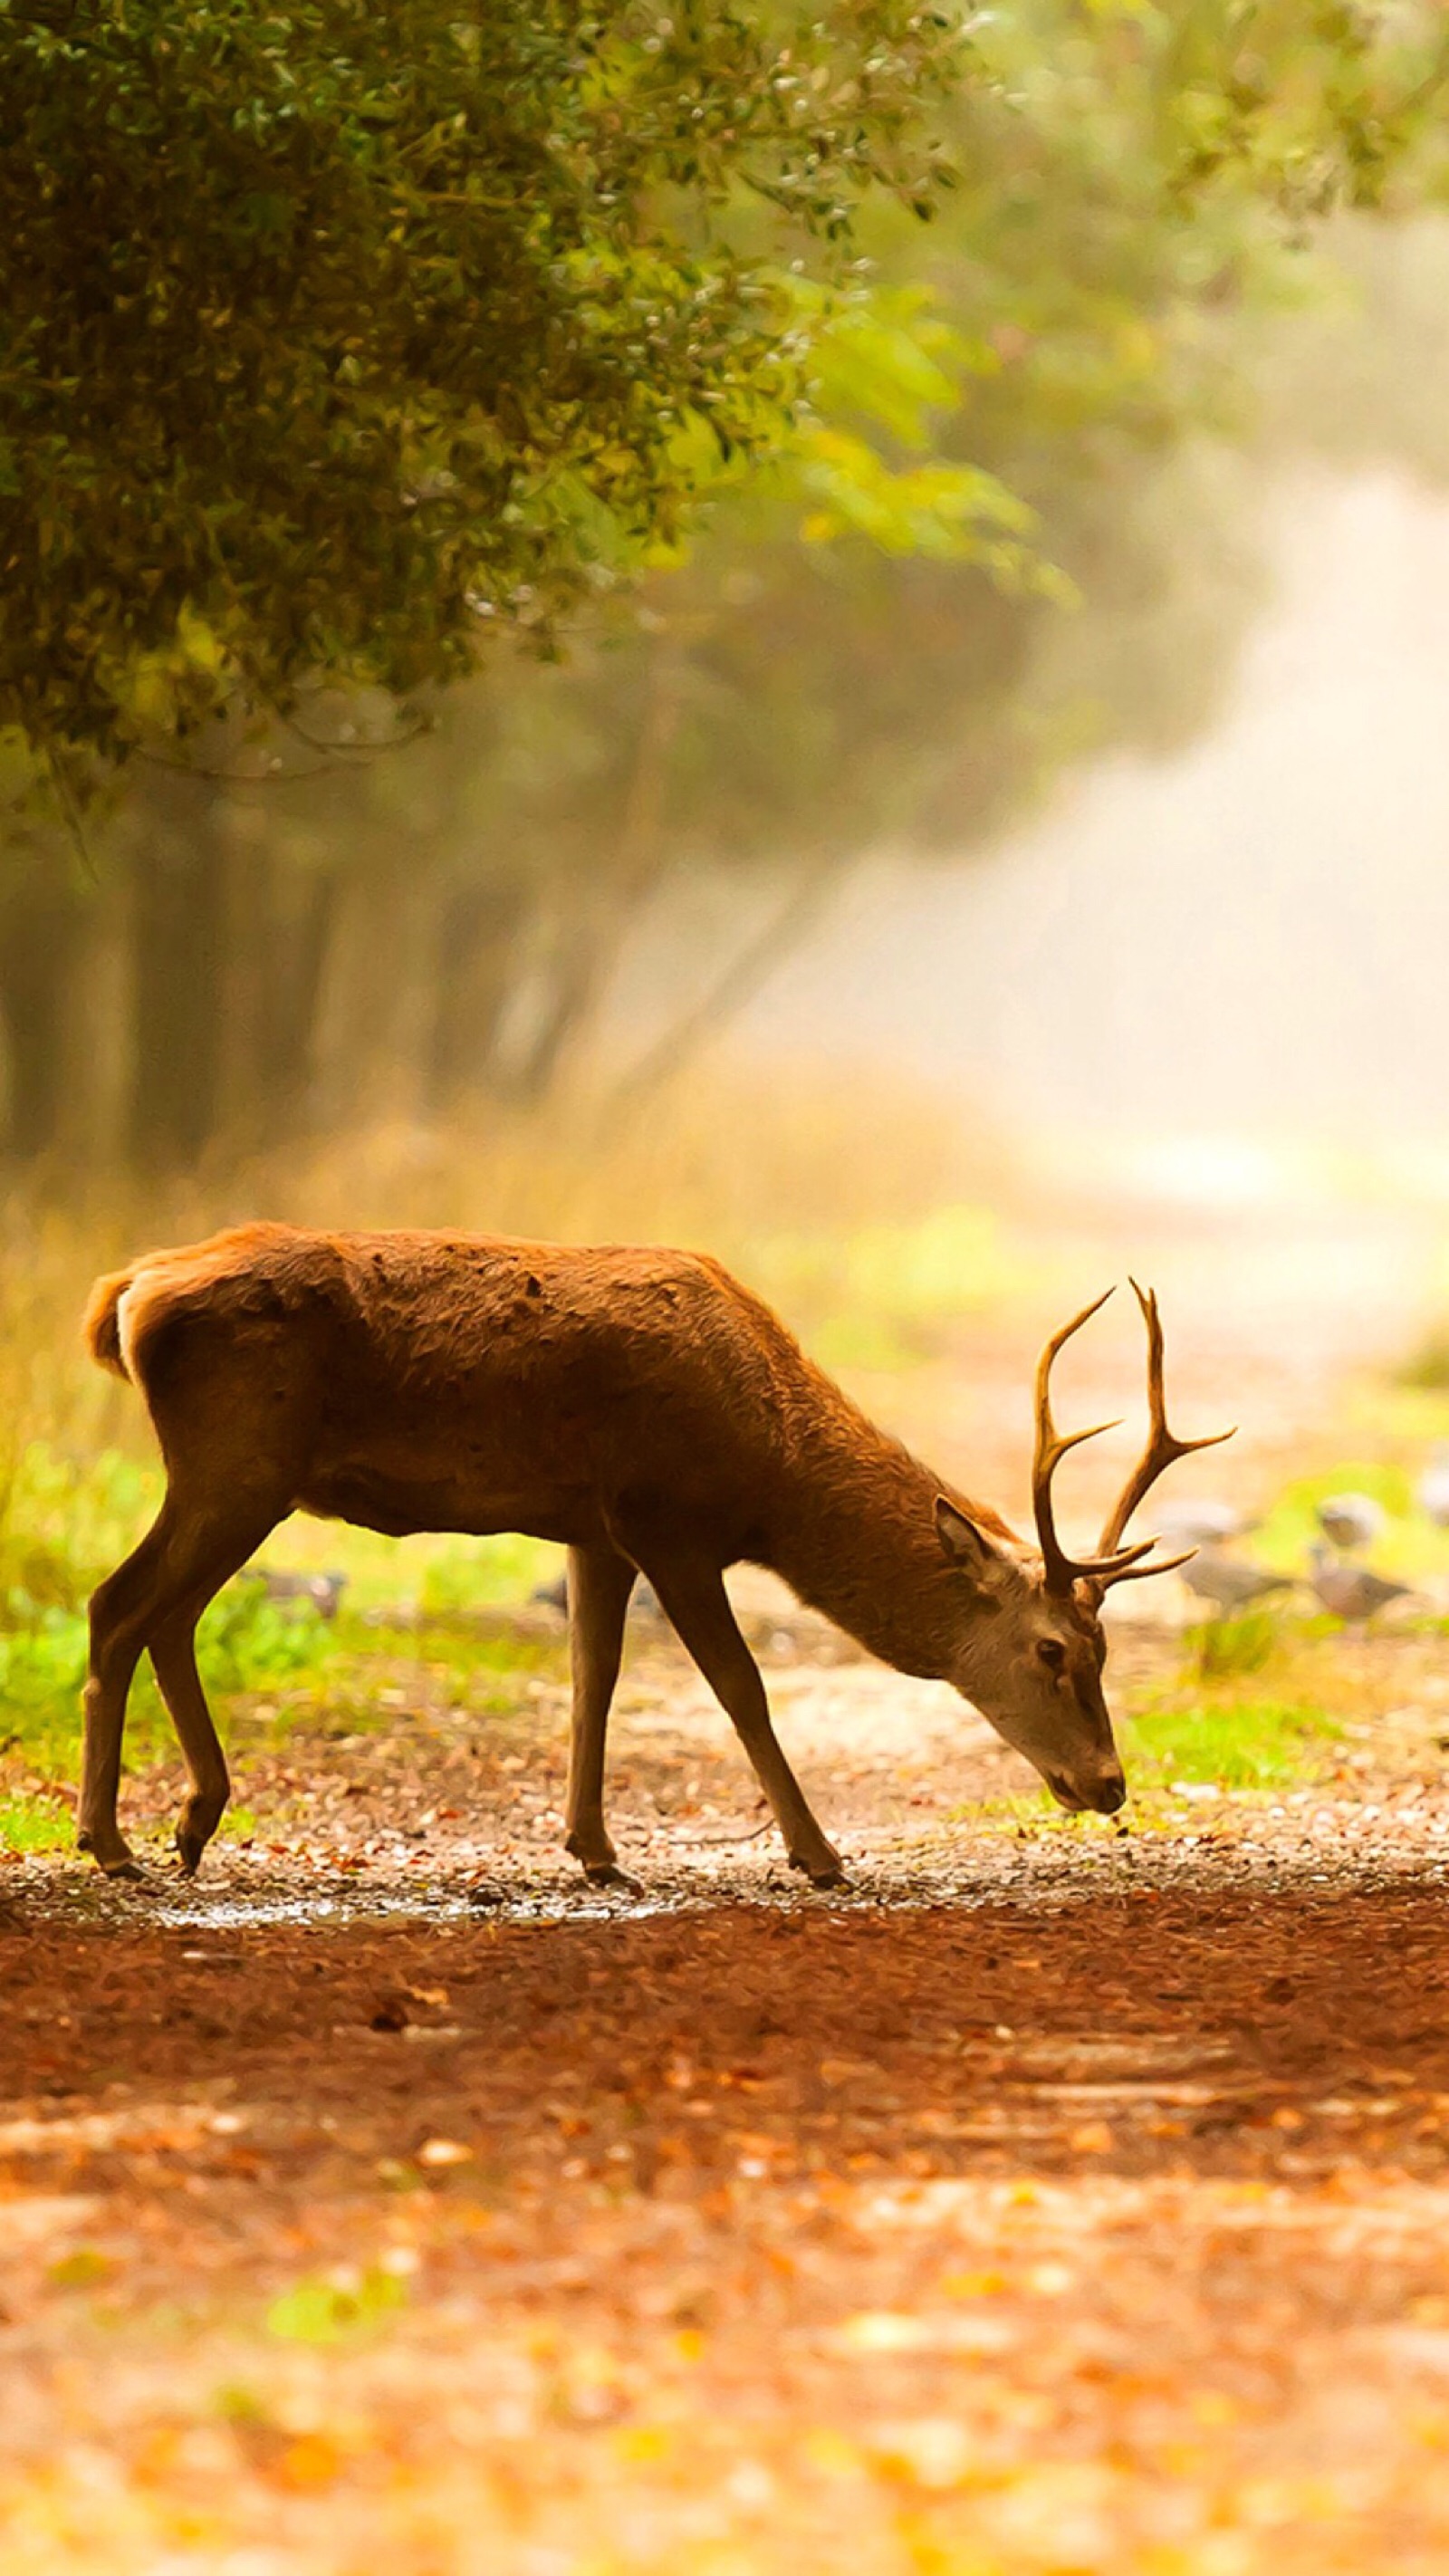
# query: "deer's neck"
856 1539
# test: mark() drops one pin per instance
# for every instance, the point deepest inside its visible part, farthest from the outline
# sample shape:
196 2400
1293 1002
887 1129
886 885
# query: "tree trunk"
478 927
595 912
564 994
179 944
279 921
773 942
300 946
42 934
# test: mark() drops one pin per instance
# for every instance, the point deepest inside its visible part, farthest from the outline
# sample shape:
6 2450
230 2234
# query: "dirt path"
1056 2202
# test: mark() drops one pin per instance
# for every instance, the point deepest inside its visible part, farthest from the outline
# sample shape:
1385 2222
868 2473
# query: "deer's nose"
1102 1795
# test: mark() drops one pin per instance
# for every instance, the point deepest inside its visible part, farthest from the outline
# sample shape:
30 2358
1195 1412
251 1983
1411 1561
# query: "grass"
460 1655
858 1219
67 1519
1262 1702
31 1821
1410 1546
1223 1648
245 1644
273 1677
866 1219
272 1670
1225 1739
1254 1708
1237 1739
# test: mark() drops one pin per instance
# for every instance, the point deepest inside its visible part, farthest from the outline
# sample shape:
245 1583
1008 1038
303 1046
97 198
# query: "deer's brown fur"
639 1406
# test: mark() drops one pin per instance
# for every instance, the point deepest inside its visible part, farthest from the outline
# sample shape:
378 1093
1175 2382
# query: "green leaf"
336 2307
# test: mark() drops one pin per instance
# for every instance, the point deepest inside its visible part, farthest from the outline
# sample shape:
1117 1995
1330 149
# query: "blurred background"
947 810
1008 852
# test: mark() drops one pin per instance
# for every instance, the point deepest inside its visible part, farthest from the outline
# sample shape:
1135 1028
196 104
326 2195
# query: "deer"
640 1407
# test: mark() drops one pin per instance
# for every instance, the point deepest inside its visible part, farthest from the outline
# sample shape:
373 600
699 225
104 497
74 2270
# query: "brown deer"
640 1407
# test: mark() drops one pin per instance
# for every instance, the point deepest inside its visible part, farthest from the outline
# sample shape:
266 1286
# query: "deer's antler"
1162 1451
1062 1571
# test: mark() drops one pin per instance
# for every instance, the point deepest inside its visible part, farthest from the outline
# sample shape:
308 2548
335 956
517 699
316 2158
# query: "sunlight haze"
1251 939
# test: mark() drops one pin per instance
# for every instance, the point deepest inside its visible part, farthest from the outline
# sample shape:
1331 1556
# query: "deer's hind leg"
172 1648
154 1600
119 1615
599 1585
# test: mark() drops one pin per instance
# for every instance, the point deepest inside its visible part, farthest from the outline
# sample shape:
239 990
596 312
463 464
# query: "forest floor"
1067 2196
1061 2198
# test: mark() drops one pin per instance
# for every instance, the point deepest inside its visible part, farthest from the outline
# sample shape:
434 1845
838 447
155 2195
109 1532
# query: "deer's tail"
102 1329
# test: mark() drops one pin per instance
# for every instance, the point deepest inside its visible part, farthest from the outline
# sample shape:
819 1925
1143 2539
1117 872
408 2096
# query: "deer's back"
433 1380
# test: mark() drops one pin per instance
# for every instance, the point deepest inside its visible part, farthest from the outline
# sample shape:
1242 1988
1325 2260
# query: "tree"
869 645
330 338
865 639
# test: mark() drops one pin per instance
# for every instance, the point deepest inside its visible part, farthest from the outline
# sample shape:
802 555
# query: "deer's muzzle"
1101 1796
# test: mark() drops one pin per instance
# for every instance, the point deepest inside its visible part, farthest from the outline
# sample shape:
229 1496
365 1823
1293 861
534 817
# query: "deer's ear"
965 1545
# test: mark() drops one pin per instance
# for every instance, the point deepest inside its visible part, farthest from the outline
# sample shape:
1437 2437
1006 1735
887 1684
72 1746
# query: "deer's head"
1032 1647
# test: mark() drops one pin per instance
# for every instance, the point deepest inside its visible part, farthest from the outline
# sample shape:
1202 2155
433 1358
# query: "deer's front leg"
599 1584
691 1591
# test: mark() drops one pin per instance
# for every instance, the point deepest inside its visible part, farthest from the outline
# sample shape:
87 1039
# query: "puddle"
224 1913
940 1869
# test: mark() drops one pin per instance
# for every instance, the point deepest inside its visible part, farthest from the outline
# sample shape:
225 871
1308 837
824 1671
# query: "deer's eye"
1053 1654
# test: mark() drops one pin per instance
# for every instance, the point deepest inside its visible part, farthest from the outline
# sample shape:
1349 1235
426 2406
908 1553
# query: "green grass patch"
42 1666
1033 1812
460 1575
245 1644
1238 1740
1409 1546
240 1823
32 1822
1225 1648
1247 1743
64 1525
461 1652
1231 1738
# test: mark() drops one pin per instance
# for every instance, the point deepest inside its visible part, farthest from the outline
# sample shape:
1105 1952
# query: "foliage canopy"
332 346
328 337
333 338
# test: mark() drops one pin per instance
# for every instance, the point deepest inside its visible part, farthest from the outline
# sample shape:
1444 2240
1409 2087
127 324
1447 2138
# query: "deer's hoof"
189 1848
607 1873
827 1870
117 1860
